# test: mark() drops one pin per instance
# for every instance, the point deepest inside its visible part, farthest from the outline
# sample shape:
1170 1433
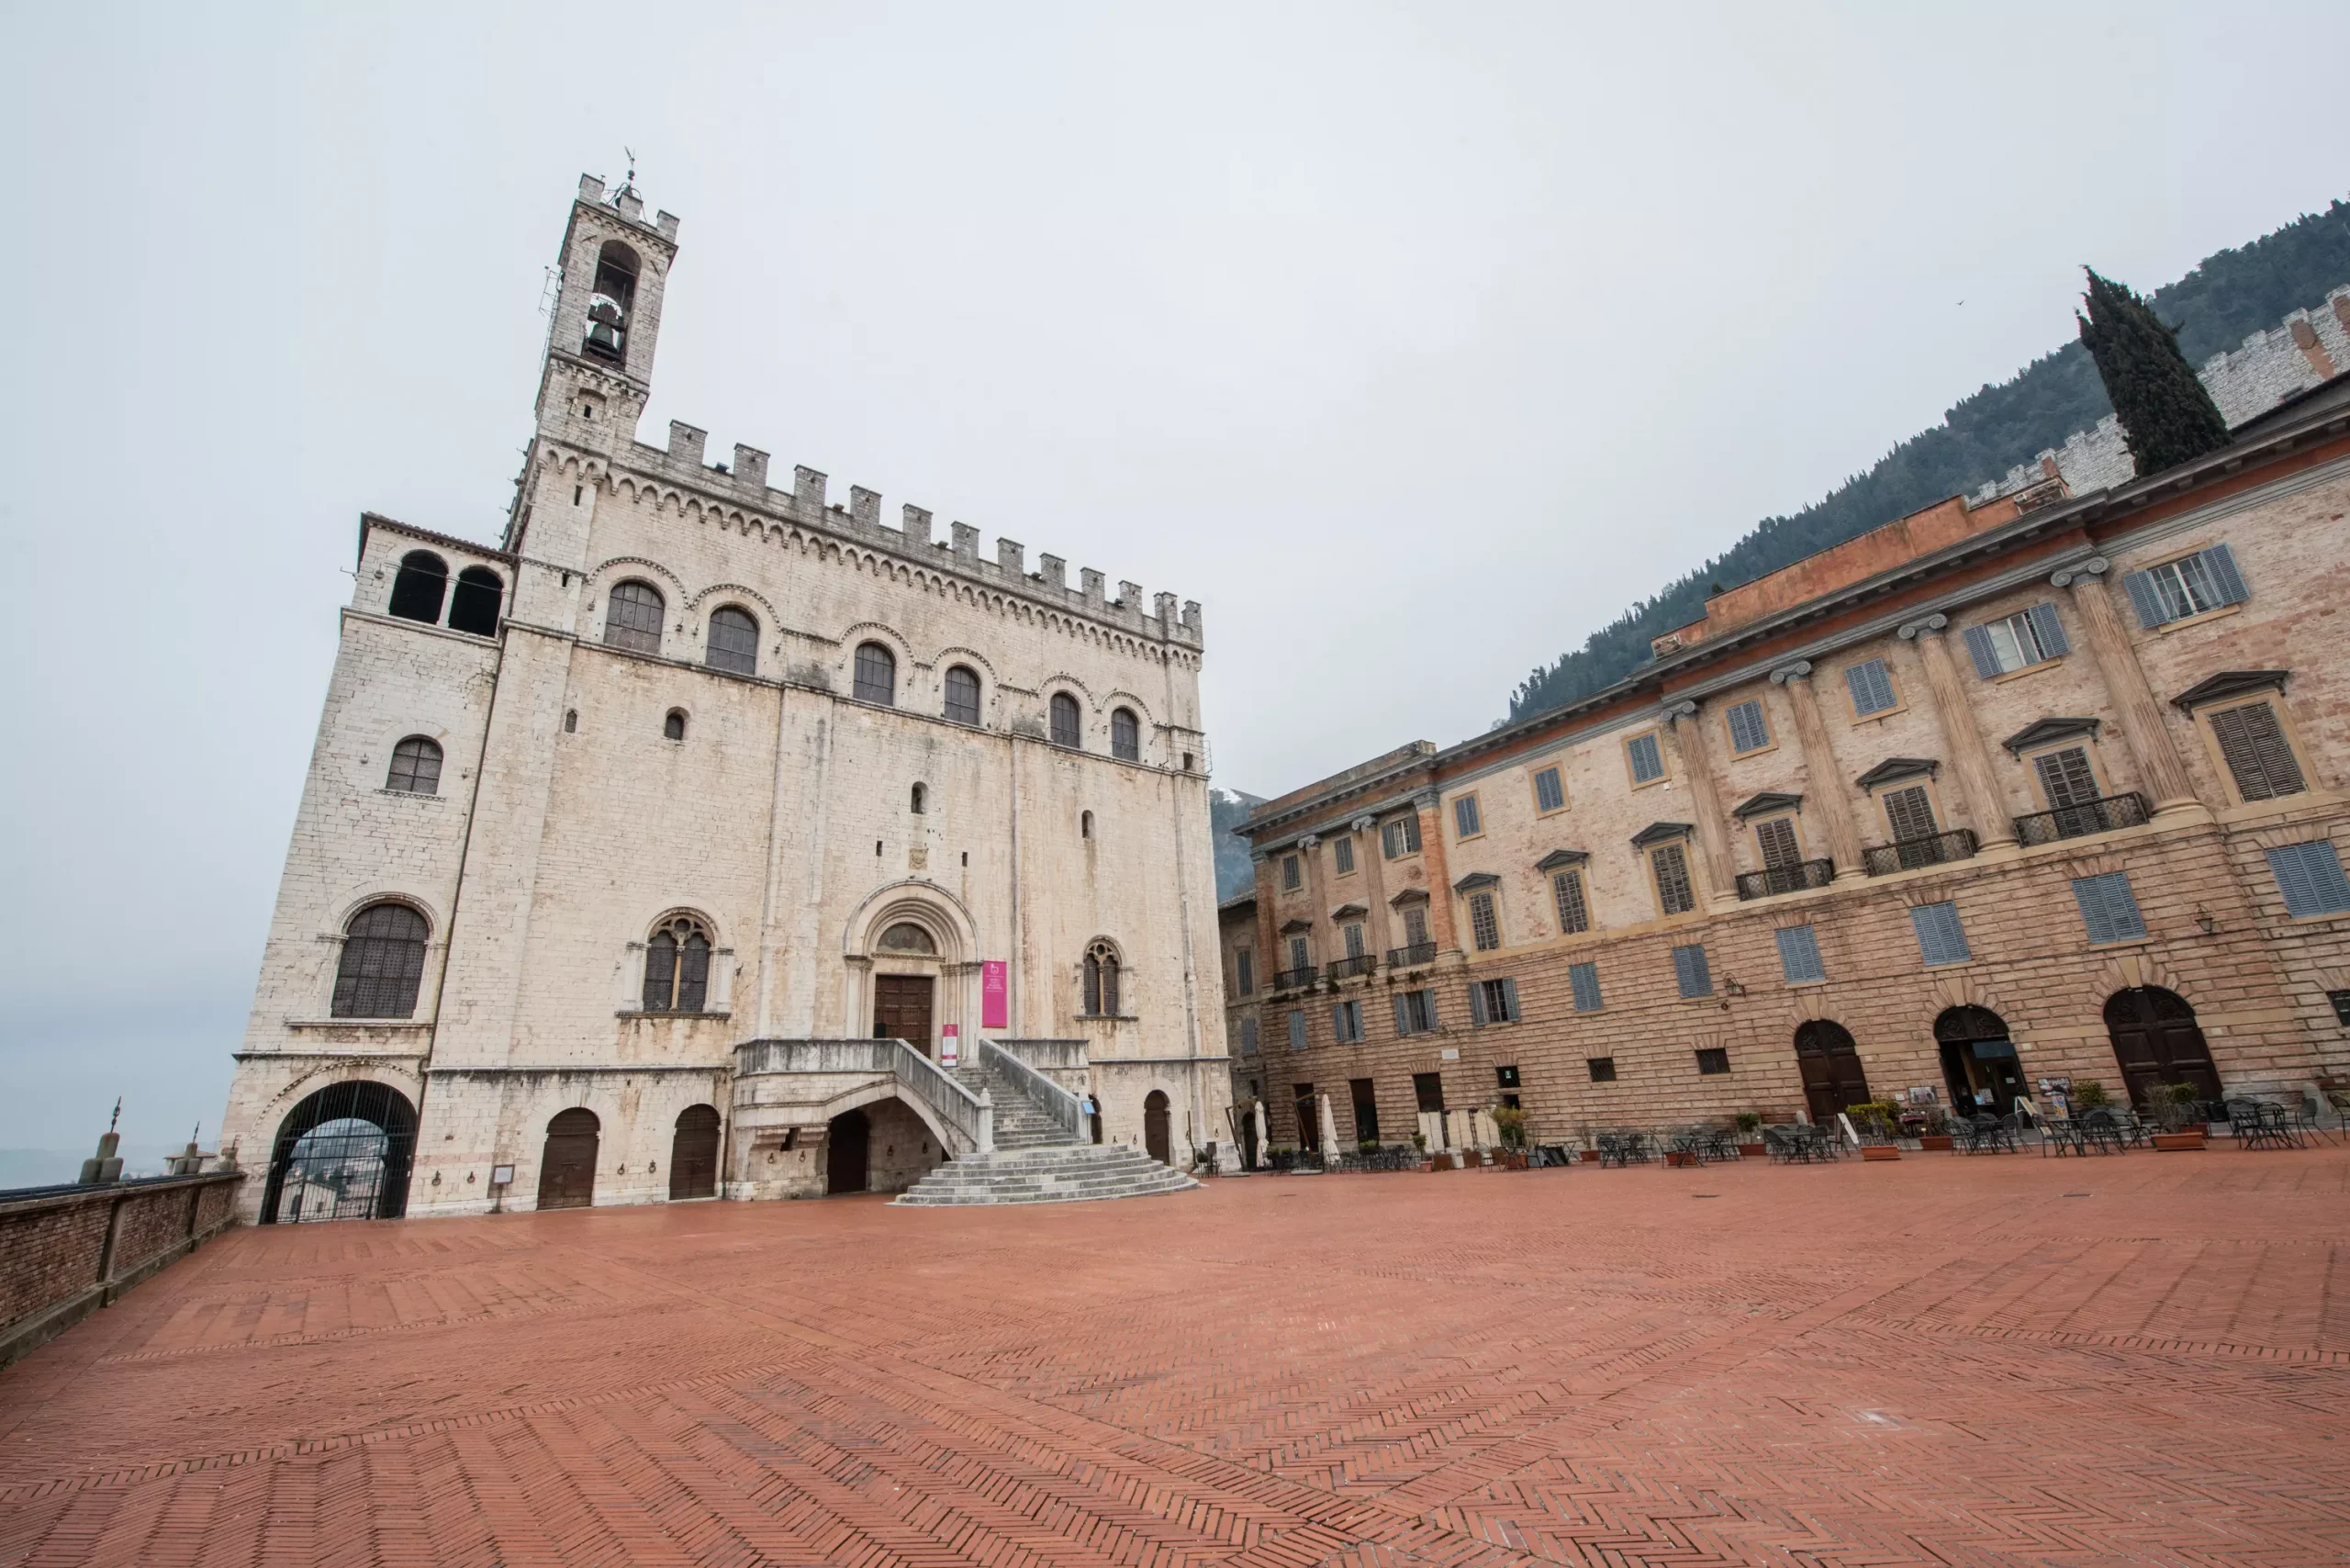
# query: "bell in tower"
609 304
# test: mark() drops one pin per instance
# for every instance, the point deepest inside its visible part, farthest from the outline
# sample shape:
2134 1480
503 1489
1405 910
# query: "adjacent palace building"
676 845
2049 787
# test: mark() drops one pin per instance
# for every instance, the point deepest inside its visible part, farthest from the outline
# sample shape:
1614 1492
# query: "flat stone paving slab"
2142 1359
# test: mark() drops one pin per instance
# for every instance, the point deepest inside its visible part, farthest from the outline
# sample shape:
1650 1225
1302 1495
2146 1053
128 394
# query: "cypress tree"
2167 417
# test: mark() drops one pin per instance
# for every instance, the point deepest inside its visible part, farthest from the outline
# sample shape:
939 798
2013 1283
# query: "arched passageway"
567 1166
848 1148
341 1153
1156 1138
1979 1062
1831 1064
693 1154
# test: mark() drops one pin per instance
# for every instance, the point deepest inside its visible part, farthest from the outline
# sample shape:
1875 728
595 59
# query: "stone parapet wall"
64 1252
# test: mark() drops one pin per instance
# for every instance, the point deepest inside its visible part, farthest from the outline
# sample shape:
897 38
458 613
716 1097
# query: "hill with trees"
2229 296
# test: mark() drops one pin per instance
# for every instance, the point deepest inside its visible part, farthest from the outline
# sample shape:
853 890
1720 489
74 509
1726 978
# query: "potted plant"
2088 1094
1590 1150
1936 1134
1875 1121
1749 1135
2178 1111
1511 1120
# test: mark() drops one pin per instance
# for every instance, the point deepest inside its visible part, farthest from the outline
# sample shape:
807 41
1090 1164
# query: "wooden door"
567 1166
693 1154
2156 1041
845 1146
1309 1123
901 1009
1830 1062
1155 1140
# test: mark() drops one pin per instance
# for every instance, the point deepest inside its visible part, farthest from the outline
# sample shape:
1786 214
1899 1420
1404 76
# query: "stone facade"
1778 756
660 722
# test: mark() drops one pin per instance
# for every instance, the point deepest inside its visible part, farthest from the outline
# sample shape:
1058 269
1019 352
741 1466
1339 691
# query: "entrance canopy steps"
1031 1110
1064 1173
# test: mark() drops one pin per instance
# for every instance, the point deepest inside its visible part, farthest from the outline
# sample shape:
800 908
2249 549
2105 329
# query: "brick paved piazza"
2143 1358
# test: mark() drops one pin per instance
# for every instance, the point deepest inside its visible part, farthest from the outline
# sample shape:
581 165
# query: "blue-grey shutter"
2109 909
1689 968
1584 978
1477 1003
1509 1002
1338 1021
1747 731
2146 597
1430 994
2220 562
2050 631
1402 1019
2311 879
1941 938
1799 955
1986 659
1296 1029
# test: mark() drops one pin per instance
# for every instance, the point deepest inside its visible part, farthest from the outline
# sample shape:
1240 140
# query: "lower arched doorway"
693 1154
1979 1062
1155 1138
567 1165
1831 1064
341 1153
2156 1041
848 1150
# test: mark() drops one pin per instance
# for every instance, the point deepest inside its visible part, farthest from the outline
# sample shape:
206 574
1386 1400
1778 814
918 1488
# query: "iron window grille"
962 696
1126 736
876 675
1065 720
677 967
1712 1062
416 767
1602 1068
734 641
382 964
633 618
1485 925
1909 854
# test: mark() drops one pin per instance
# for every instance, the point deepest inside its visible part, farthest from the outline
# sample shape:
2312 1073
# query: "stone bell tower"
598 369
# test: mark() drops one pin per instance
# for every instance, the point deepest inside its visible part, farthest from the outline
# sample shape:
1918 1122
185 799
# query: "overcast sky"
1415 342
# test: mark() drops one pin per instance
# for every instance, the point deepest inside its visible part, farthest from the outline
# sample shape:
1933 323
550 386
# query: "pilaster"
1820 764
1705 804
2125 680
1970 758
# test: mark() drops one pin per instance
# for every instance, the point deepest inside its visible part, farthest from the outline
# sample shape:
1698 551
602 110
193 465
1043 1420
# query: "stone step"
1061 1172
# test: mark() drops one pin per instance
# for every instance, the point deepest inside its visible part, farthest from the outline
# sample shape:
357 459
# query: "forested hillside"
2231 294
1227 809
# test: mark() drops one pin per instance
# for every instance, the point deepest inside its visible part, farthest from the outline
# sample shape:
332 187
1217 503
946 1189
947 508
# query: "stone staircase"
1033 1160
1050 1174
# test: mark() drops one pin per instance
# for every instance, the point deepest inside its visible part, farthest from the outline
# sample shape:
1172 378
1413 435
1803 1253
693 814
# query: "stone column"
1270 961
1433 857
1714 864
1970 759
2150 744
1820 763
1374 877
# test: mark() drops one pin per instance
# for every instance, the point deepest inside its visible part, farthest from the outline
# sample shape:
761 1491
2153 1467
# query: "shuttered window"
1346 1022
1941 939
1776 837
1748 731
1550 792
1871 685
2257 754
1297 1029
1647 758
1415 1012
1415 925
1354 939
1342 854
2192 584
1799 955
1400 836
1672 890
2310 875
1244 964
2034 637
2109 908
1584 979
2065 778
1493 1002
1465 823
1574 913
1248 1036
1484 927
1689 968
1300 955
1292 874
1911 813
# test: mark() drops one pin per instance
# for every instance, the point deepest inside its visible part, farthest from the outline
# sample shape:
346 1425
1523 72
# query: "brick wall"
56 1263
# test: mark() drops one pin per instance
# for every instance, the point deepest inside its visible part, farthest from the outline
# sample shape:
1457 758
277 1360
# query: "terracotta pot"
2189 1139
1935 1143
1442 1163
1679 1157
1753 1150
1510 1160
1879 1151
1590 1157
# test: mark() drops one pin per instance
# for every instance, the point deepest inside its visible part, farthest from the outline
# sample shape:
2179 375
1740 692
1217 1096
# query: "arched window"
383 962
415 591
733 641
1101 980
416 767
876 674
676 966
1065 729
673 728
962 695
481 594
633 618
907 937
609 306
1126 736
1085 824
921 800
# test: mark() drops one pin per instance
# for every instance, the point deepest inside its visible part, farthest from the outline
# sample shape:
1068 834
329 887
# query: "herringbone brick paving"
2143 1358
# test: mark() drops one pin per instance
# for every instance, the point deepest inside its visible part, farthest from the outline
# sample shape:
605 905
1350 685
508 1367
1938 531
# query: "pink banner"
995 994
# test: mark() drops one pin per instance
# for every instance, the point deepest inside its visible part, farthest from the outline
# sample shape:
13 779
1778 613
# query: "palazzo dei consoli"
703 838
